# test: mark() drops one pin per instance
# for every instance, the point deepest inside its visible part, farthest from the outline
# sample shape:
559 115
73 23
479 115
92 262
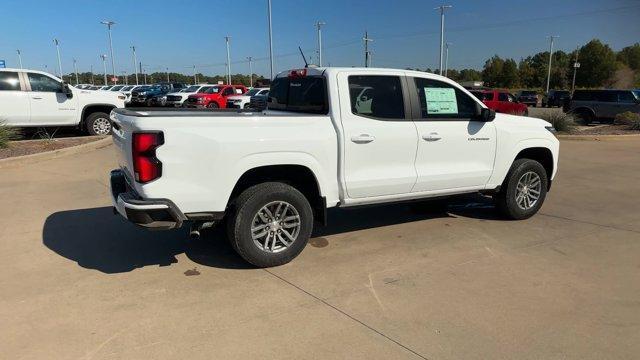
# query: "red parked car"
501 101
215 97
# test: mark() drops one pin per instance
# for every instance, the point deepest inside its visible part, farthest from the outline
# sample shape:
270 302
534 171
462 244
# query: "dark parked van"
590 105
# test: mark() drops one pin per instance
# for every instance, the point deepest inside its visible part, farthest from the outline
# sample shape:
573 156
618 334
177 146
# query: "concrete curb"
599 137
48 155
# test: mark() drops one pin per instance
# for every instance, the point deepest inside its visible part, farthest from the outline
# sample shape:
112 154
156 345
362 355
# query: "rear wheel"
523 191
269 224
585 117
98 123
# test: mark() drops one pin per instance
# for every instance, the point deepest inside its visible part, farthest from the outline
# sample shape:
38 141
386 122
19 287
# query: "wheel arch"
92 108
542 155
299 176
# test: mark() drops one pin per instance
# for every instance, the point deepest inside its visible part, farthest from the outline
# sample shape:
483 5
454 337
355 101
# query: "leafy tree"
630 56
509 76
597 64
527 74
469 75
492 71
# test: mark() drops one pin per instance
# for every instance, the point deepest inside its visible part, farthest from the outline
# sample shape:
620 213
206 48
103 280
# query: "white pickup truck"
31 98
330 137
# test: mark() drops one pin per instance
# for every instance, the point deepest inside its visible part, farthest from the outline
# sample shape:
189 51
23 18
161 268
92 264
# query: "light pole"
367 53
552 37
446 59
125 77
104 64
442 8
19 58
93 81
319 25
135 62
113 64
167 74
270 40
576 65
226 38
75 70
55 41
250 71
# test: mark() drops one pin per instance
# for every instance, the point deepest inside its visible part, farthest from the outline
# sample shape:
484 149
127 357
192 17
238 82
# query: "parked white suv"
242 101
30 98
176 99
330 137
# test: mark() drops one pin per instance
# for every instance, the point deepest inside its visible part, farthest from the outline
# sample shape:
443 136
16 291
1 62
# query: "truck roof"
31 71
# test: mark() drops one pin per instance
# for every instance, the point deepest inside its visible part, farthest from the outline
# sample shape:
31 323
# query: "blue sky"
179 34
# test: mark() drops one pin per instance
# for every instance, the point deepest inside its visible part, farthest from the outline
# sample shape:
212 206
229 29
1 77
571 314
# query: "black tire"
213 105
95 124
246 207
506 199
584 117
526 112
148 103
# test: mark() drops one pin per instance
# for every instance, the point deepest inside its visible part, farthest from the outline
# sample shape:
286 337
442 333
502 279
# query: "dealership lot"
379 282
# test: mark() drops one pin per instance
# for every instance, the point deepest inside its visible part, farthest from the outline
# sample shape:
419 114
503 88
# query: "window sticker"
441 100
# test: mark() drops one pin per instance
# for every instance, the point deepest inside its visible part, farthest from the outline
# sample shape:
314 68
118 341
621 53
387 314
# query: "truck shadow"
97 239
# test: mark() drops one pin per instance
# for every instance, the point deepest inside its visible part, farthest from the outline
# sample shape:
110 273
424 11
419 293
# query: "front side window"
9 81
626 97
43 83
441 100
376 96
227 91
503 97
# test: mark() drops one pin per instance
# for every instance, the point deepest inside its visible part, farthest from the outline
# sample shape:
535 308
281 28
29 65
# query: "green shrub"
7 134
561 122
628 118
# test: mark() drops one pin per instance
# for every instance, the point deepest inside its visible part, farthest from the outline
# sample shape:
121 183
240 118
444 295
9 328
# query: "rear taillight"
299 73
145 164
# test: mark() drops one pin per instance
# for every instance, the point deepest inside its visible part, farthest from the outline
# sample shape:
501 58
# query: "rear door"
455 151
14 102
380 140
49 104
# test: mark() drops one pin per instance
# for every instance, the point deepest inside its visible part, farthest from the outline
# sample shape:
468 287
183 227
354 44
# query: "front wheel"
98 123
269 224
523 191
213 105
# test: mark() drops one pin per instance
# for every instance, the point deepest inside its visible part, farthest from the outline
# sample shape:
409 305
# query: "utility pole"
446 59
576 65
167 74
442 8
113 64
226 38
144 74
93 80
552 37
250 59
75 69
135 61
270 40
195 77
19 58
55 41
367 54
104 64
125 77
319 25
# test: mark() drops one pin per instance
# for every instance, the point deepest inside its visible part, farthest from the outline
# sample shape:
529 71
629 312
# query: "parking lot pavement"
379 282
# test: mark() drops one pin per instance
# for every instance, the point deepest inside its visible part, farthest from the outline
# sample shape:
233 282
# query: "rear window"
9 81
304 94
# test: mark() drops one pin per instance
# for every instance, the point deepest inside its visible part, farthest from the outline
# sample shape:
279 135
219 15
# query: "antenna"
306 64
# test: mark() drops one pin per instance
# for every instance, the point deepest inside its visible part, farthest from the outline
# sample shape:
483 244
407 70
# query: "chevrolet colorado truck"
31 98
330 137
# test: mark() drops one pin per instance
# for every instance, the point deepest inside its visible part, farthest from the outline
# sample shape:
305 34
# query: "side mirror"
66 90
487 115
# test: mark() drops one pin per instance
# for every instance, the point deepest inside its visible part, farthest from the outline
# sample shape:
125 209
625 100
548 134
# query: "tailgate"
122 134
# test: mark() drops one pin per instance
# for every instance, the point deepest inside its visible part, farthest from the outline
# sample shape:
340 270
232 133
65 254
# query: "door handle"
37 98
362 139
431 137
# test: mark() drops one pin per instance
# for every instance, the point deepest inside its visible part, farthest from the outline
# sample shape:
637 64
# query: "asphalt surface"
379 283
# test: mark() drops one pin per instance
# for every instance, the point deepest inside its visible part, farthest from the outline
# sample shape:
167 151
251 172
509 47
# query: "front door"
380 139
455 151
50 106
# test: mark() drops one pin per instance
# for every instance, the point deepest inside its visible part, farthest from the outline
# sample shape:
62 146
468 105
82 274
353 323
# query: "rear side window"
442 100
583 95
301 94
9 81
43 83
376 96
607 96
